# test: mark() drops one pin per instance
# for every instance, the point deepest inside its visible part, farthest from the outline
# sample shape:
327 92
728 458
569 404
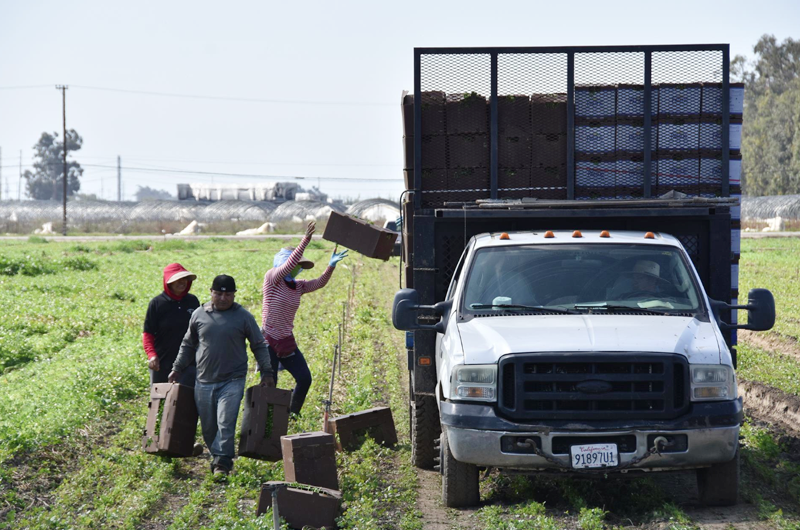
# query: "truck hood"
486 339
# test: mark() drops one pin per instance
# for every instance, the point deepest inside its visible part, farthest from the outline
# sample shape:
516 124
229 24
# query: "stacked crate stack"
434 146
629 160
467 126
514 146
548 146
678 138
711 150
595 141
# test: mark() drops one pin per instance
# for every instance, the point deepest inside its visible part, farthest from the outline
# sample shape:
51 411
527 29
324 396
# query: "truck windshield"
585 278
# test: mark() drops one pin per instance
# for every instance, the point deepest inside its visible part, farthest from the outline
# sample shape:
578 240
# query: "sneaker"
197 450
220 473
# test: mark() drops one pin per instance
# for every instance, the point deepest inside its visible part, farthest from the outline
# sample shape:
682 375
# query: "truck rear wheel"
718 485
459 480
424 430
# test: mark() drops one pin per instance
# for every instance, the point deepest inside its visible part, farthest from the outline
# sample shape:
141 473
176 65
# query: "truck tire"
718 485
460 487
424 430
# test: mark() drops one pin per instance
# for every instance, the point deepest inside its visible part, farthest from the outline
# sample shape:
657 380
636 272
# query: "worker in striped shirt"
281 299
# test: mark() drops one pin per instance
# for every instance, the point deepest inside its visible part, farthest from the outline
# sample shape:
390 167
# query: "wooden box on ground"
265 420
171 420
376 423
310 458
358 235
314 507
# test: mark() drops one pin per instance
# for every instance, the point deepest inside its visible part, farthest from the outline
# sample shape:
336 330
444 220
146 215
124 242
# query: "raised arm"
317 283
313 285
277 274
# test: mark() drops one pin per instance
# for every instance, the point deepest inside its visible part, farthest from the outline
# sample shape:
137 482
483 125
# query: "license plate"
594 455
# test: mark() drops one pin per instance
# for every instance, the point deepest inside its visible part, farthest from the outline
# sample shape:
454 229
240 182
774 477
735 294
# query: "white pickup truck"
584 353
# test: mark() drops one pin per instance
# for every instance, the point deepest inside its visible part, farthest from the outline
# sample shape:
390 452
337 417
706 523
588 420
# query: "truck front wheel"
459 480
424 430
718 485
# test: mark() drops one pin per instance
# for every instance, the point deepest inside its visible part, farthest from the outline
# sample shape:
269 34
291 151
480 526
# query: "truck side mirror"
405 309
760 311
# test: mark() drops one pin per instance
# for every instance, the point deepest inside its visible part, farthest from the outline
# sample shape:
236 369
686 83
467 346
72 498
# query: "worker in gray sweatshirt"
215 340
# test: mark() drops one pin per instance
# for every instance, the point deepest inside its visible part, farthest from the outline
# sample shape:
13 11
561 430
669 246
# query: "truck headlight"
474 382
712 382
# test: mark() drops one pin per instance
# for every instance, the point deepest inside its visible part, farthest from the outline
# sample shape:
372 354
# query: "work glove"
173 376
267 380
336 257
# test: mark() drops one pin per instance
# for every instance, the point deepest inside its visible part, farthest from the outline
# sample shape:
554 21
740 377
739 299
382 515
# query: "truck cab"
582 352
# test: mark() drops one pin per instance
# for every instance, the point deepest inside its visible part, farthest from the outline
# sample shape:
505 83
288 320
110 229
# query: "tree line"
771 130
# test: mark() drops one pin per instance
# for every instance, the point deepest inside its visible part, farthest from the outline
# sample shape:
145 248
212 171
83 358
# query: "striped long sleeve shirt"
280 302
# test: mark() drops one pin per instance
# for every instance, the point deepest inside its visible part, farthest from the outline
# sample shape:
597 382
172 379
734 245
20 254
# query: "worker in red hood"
166 323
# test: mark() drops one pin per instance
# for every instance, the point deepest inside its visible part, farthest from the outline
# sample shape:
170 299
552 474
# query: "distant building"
273 191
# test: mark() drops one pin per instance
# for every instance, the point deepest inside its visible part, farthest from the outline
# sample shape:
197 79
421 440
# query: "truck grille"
595 386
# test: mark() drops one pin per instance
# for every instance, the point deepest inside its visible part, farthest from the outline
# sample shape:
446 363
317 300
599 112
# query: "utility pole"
119 179
1 175
63 89
19 185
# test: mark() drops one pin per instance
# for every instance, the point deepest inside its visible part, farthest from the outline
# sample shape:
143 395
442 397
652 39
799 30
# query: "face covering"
280 258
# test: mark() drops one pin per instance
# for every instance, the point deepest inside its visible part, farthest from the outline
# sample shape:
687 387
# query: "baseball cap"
224 283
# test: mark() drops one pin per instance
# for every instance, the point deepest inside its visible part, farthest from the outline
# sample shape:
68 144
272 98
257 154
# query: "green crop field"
74 385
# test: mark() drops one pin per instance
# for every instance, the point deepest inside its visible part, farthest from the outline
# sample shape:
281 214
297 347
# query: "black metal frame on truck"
436 233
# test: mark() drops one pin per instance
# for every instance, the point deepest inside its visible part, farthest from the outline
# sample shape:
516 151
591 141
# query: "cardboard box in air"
351 429
358 235
174 406
313 507
310 458
265 420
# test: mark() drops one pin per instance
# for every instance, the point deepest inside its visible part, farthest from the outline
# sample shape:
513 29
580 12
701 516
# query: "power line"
237 99
224 174
246 175
21 87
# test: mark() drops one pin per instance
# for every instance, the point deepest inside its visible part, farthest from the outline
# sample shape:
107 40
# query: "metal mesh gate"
572 123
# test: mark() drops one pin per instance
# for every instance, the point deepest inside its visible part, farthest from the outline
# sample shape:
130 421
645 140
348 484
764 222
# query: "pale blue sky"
308 51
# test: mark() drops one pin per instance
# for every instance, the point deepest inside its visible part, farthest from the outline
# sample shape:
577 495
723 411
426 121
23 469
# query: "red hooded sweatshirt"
149 339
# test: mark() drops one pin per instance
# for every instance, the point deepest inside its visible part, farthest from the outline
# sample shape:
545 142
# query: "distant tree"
45 181
771 135
149 194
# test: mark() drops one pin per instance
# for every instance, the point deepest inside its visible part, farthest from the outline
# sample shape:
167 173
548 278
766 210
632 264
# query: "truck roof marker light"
649 235
549 234
504 236
577 233
605 233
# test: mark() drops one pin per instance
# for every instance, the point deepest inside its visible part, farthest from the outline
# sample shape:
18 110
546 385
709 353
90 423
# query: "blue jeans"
218 406
297 366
